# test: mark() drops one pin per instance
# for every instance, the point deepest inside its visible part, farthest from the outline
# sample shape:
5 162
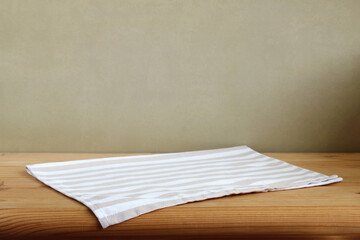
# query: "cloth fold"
120 188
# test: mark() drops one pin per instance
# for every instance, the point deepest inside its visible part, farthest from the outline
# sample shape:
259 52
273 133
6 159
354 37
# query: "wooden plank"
30 209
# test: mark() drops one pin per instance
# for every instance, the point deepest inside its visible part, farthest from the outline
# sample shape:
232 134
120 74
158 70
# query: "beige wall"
163 76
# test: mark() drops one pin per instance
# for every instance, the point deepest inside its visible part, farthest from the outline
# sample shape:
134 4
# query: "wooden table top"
30 209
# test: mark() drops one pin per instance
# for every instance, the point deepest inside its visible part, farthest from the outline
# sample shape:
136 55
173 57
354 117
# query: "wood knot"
3 184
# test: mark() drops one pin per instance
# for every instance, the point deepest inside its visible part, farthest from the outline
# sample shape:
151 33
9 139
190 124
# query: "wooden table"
29 209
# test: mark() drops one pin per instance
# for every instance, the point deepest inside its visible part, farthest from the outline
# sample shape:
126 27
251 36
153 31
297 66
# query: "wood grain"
31 210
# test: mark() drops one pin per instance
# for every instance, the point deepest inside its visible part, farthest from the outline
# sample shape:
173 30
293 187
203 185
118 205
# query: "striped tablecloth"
119 188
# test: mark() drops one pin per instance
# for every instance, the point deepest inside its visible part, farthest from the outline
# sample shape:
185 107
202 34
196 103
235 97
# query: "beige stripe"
178 171
135 160
217 186
139 210
285 182
174 178
268 176
241 182
137 169
156 181
139 191
131 213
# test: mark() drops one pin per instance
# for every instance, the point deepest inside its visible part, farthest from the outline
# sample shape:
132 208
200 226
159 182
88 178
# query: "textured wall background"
163 76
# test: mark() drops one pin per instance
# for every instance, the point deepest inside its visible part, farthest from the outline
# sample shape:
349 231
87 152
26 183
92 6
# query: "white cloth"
120 188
